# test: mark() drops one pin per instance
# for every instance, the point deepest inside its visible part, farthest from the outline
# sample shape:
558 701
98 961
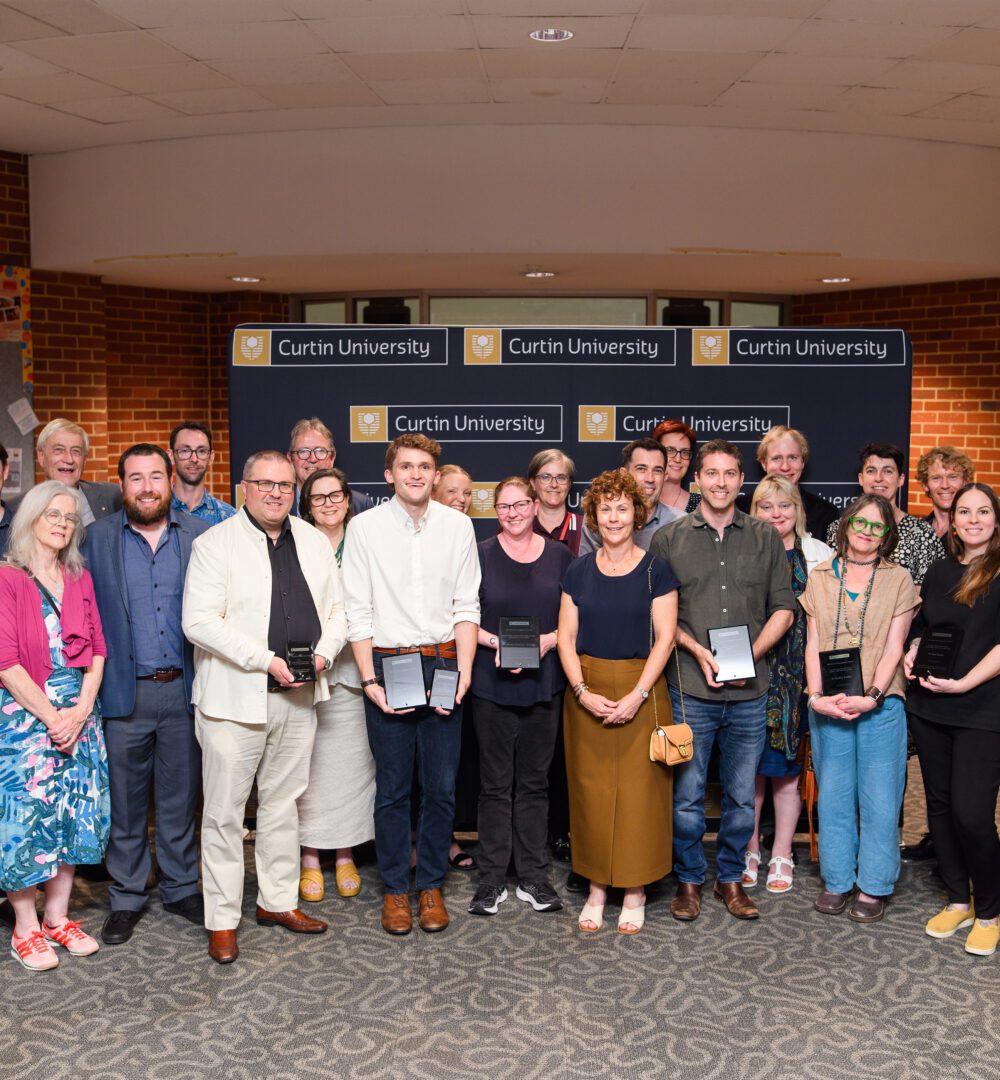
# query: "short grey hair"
61 424
264 455
22 547
546 457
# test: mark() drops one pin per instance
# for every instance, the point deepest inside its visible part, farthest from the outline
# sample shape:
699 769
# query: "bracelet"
369 682
875 694
580 688
812 698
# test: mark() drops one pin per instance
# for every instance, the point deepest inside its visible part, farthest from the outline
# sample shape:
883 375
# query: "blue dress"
54 808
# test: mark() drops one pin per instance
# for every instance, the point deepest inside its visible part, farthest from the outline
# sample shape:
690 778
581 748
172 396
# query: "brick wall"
955 330
15 223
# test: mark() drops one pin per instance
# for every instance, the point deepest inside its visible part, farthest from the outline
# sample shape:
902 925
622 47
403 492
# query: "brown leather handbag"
673 744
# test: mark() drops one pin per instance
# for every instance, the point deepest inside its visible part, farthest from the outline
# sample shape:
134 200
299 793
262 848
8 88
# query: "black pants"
515 750
558 785
961 770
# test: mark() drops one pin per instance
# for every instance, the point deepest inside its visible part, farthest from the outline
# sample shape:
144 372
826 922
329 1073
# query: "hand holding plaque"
937 652
301 660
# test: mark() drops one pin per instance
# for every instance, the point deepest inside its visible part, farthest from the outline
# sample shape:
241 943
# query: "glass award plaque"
403 677
519 641
733 652
444 686
300 658
937 651
840 672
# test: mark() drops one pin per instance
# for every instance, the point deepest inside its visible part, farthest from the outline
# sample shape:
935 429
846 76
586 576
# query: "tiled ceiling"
79 73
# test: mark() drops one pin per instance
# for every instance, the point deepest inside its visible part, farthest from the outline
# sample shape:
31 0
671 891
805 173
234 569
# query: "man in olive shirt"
733 570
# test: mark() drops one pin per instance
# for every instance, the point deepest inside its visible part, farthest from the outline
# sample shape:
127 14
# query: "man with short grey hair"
62 451
311 448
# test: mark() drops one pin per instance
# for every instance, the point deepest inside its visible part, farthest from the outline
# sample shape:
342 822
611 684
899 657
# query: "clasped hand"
611 713
67 727
843 706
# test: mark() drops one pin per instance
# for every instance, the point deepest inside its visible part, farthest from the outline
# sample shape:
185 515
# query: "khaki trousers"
277 754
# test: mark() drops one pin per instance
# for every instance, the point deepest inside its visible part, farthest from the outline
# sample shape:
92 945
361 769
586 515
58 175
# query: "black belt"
167 674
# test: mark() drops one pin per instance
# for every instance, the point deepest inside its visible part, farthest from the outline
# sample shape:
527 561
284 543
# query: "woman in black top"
516 712
955 722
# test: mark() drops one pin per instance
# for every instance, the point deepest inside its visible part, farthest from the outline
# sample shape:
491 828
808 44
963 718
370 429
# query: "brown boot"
433 913
396 915
686 905
222 947
736 900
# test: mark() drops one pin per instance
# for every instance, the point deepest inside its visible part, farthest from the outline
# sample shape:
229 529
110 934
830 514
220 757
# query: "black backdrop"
494 396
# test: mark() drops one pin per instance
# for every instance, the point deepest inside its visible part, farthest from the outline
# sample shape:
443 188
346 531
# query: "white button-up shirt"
407 584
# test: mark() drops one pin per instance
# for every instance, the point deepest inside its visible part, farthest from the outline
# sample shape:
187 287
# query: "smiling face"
515 511
678 448
454 490
780 512
974 521
648 468
880 476
862 543
63 457
192 455
943 484
327 503
309 453
145 488
552 484
784 458
719 481
269 508
412 476
615 518
54 528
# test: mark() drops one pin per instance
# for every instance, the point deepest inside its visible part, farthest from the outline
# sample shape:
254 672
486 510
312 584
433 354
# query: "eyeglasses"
878 529
185 452
553 478
672 451
53 517
317 453
509 508
286 487
334 498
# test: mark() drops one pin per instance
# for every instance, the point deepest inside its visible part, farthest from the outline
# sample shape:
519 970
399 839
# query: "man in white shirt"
259 583
411 584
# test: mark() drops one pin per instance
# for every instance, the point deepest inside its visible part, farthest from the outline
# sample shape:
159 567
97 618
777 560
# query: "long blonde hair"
35 502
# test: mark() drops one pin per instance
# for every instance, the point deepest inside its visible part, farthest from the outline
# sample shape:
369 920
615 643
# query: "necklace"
681 496
855 636
857 562
613 566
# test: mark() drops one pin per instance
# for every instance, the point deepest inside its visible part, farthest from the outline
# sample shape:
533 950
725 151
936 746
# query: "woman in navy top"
617 623
516 713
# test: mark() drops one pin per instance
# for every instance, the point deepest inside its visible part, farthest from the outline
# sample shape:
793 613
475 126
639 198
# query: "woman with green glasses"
859 606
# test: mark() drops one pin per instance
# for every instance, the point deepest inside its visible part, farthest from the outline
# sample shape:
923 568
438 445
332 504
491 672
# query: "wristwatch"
369 682
642 693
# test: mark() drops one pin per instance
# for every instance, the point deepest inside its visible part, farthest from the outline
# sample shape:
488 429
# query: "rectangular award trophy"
937 651
519 641
840 672
403 676
300 658
444 686
733 652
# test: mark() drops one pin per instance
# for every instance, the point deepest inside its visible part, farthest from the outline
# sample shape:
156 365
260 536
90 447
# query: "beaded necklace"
854 637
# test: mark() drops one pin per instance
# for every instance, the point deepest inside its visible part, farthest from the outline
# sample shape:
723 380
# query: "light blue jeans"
740 728
861 769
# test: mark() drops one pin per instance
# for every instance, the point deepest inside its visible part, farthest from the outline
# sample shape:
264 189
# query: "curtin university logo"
482 501
369 423
597 423
709 347
252 348
482 345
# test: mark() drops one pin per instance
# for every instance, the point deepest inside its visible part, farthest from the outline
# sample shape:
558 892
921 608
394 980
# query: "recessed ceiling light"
835 280
245 279
550 34
534 272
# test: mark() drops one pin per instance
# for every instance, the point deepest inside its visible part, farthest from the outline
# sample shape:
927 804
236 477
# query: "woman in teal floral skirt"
54 802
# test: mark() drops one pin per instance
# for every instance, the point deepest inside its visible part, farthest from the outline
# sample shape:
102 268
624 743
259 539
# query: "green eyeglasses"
878 529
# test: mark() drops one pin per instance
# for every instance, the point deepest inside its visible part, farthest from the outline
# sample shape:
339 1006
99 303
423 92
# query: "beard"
192 474
146 513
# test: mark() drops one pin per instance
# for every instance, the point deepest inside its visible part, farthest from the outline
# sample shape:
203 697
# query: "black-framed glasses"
878 529
265 487
317 453
333 498
552 478
672 451
185 452
522 507
53 517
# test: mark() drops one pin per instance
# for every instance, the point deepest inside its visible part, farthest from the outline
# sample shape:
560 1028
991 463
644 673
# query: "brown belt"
163 675
446 650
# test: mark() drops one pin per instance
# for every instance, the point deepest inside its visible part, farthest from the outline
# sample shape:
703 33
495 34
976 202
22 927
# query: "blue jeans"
860 768
434 742
740 728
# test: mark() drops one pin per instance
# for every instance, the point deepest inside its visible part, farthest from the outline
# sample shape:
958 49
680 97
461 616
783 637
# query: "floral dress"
54 807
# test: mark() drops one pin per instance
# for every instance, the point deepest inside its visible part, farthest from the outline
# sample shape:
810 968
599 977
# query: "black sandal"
458 861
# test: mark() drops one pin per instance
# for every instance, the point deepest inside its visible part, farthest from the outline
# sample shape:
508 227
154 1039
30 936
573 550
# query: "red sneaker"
34 952
71 938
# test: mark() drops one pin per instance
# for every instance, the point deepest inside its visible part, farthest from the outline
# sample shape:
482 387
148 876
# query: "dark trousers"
558 784
157 742
433 743
515 751
961 771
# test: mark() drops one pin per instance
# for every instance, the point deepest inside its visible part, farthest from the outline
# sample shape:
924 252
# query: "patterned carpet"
523 995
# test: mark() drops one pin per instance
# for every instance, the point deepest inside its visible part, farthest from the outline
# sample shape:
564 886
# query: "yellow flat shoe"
348 872
311 887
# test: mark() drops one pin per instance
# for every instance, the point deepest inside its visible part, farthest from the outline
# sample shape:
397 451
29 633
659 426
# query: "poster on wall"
15 315
494 396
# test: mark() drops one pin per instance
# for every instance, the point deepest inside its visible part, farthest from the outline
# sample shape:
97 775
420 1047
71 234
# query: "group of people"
150 632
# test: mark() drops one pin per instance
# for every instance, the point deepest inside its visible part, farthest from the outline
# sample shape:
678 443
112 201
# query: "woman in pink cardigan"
54 802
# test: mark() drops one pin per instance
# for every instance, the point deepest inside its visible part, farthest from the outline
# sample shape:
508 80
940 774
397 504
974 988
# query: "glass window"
688 311
537 311
754 313
387 310
324 311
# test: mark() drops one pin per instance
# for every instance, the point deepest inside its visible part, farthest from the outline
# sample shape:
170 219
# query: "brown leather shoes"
296 921
736 900
433 913
830 903
222 947
396 915
867 910
686 905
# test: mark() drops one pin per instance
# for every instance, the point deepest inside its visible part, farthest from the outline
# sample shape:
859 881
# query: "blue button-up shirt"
155 586
210 509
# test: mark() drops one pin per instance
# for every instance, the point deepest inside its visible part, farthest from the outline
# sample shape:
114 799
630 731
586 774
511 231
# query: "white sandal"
591 913
634 917
749 877
777 882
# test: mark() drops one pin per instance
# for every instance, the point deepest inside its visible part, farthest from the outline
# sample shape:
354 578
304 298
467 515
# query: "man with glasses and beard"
138 559
262 596
191 449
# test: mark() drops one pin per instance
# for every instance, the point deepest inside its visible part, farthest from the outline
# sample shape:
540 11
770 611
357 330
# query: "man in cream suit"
256 584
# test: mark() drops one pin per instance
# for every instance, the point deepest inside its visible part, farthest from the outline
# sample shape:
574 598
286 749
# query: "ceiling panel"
71 16
913 12
537 91
667 92
17 64
432 91
670 66
566 64
458 64
316 68
204 102
165 78
968 107
116 110
322 95
336 9
90 54
781 9
819 70
968 47
828 37
938 75
872 99
749 95
51 89
160 13
242 41
17 27
395 33
707 33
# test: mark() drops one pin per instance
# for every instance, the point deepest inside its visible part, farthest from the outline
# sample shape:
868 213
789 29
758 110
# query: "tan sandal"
311 886
348 872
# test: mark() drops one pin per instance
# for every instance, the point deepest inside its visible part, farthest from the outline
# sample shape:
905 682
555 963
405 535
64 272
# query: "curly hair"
614 484
412 441
951 458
